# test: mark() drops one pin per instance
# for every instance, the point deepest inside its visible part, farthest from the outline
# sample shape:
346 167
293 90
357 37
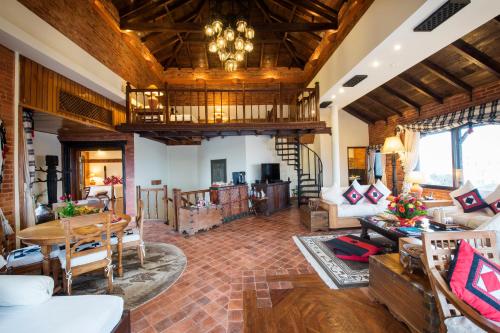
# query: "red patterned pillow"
495 206
471 201
373 195
476 280
352 195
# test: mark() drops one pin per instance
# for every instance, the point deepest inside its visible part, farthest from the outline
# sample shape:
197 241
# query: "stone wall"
381 129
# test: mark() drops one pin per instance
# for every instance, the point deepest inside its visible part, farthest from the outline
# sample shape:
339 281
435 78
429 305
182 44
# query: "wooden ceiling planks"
466 64
290 34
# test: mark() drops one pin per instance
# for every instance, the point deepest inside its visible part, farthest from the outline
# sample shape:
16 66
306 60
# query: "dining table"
51 233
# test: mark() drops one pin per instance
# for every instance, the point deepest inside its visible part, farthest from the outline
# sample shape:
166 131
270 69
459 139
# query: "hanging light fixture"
231 45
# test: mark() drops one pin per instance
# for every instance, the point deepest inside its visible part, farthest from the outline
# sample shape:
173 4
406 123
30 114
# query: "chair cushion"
127 238
373 194
352 195
471 201
461 325
25 290
82 260
476 280
62 314
361 209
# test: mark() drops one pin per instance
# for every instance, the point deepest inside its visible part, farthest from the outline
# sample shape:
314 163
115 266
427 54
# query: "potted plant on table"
407 209
70 209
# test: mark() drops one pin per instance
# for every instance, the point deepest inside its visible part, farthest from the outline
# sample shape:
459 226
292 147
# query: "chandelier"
230 45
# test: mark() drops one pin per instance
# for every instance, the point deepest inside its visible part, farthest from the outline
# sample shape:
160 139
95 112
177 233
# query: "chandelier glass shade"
231 45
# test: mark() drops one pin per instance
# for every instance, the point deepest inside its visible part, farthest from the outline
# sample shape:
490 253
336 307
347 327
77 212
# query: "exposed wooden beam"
280 19
446 76
317 9
145 7
422 88
384 105
165 45
356 113
195 27
401 97
474 55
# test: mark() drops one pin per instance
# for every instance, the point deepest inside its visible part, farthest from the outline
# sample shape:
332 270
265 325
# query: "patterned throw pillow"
352 195
476 281
495 206
471 201
373 194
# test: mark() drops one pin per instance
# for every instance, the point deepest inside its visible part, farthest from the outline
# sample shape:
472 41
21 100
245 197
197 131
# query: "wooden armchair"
88 247
438 250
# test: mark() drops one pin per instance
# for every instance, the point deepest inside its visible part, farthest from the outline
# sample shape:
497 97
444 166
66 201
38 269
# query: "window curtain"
28 168
409 158
482 114
371 165
384 174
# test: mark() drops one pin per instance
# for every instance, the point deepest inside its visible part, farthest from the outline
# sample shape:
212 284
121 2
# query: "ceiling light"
248 46
397 47
375 64
241 25
341 90
212 47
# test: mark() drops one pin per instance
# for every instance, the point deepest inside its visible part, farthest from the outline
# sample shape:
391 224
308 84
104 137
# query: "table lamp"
92 178
416 178
393 145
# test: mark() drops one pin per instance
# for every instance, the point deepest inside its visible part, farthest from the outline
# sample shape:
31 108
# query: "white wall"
352 133
151 162
182 166
46 144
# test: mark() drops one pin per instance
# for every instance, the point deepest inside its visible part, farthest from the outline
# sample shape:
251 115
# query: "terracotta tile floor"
221 264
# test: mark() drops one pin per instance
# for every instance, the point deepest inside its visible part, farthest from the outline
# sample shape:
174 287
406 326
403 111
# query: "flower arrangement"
70 209
407 209
113 180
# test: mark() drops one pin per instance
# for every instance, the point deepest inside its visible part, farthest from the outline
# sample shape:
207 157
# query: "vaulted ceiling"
293 35
468 63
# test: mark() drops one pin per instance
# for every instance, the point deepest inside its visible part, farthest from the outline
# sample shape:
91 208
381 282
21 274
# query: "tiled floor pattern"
221 264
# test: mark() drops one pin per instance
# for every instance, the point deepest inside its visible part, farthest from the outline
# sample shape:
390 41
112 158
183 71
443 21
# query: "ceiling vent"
325 104
447 10
354 80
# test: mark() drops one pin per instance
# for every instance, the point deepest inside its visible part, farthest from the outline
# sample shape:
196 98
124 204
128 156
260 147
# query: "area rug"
163 265
335 272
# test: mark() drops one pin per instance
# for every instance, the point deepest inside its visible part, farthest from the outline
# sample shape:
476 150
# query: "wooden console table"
277 194
408 297
233 201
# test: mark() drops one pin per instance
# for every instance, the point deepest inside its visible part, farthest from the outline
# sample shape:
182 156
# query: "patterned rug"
335 272
163 265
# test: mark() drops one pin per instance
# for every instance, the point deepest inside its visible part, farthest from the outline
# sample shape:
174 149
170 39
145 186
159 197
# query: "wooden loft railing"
204 106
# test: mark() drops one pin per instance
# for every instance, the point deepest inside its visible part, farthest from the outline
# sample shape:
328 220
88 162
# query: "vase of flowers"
70 209
407 209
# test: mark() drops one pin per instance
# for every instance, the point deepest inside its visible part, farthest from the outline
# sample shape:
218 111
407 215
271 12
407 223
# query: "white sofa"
27 305
342 214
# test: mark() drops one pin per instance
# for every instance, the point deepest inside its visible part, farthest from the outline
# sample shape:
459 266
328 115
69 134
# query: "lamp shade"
392 145
415 177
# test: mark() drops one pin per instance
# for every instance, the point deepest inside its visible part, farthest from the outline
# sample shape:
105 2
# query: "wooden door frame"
68 157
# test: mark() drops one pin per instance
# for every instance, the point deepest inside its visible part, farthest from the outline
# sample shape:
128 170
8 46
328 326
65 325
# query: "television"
270 172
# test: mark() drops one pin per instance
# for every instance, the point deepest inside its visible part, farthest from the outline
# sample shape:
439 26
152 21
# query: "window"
436 160
471 151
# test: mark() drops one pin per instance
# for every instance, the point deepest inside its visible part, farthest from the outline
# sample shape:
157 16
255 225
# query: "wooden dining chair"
133 238
439 249
88 247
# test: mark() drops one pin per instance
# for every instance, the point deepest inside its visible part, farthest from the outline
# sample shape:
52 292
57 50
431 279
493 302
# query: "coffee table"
388 229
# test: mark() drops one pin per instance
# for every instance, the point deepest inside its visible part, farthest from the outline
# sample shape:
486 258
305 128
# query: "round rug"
163 265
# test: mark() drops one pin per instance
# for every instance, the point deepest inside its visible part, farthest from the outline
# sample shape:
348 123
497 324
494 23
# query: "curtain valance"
486 113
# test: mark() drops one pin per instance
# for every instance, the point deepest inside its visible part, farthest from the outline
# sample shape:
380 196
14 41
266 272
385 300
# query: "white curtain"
384 174
409 158
371 166
29 169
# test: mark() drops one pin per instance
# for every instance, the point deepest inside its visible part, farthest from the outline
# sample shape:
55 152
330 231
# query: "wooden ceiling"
290 34
468 63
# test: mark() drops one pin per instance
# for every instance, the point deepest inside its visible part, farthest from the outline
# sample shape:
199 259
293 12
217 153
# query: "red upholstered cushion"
495 206
476 280
471 201
352 248
352 195
373 195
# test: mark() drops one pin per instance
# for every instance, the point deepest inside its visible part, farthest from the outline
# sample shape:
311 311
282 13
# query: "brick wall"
382 129
84 24
7 116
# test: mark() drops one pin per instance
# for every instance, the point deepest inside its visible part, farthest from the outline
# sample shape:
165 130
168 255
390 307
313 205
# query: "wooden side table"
314 220
408 297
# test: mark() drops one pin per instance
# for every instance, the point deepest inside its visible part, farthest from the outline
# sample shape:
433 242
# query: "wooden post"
316 99
166 112
206 103
280 94
165 203
177 206
138 194
244 105
127 102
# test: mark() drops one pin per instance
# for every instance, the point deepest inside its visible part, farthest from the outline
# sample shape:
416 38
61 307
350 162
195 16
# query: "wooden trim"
104 160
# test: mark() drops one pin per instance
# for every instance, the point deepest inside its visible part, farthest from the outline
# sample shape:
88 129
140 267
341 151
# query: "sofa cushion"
361 209
25 289
471 201
476 280
493 200
352 195
383 189
334 194
467 187
373 194
471 220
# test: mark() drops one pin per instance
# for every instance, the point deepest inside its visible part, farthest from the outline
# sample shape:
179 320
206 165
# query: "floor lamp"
393 146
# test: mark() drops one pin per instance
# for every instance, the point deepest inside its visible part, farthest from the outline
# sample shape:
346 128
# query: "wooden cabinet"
277 194
232 199
314 220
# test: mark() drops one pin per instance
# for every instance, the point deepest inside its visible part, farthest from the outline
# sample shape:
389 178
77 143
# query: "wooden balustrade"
178 105
155 200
